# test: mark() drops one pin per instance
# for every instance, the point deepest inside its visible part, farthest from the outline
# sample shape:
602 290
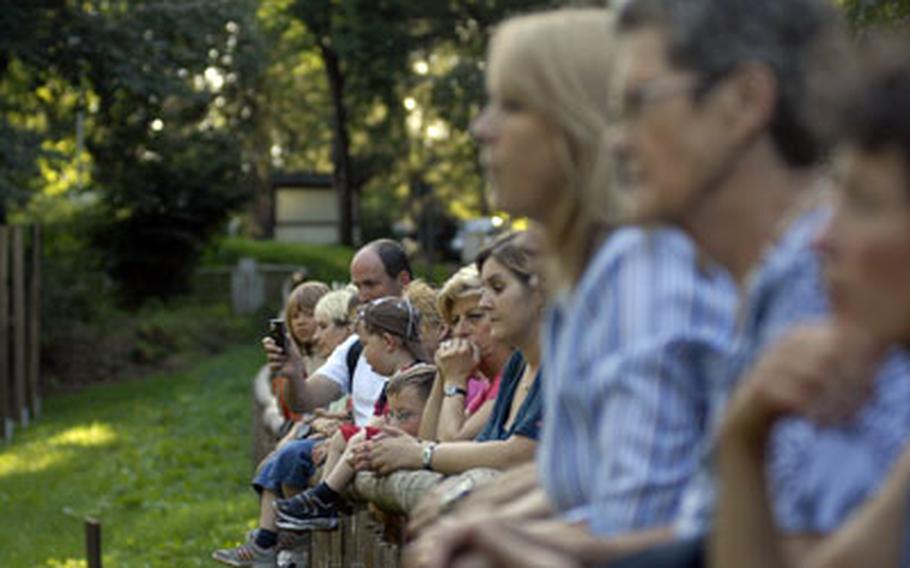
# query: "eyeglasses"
653 91
402 415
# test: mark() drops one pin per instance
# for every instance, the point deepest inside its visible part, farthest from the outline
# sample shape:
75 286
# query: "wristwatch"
453 390
428 455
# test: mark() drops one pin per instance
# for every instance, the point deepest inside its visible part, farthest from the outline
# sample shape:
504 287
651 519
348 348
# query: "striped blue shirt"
817 475
629 357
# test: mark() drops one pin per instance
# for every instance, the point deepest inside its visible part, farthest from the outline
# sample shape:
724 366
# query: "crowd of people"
697 353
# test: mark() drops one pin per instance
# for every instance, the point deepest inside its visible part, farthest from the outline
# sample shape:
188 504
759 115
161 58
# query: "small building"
305 209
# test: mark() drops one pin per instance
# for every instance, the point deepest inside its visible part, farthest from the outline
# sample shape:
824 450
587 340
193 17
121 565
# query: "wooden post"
93 542
34 322
6 391
19 379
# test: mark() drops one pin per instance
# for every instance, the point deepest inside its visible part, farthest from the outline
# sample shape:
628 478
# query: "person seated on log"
300 323
389 329
513 297
318 508
469 363
334 324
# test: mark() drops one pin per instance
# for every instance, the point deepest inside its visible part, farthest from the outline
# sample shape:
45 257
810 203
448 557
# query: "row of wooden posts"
20 309
359 542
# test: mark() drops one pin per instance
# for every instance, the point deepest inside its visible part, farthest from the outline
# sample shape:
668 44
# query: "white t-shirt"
366 386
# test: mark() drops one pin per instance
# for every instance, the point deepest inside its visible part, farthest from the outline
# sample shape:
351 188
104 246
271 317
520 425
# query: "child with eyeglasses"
318 508
389 329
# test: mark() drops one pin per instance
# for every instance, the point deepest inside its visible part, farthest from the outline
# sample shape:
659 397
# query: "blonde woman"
470 363
635 324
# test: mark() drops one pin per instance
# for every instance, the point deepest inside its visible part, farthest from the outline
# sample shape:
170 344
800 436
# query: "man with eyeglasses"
379 269
713 136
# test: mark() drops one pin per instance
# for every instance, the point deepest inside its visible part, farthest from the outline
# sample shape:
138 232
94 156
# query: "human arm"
456 360
429 421
328 383
565 544
821 371
514 494
485 543
392 453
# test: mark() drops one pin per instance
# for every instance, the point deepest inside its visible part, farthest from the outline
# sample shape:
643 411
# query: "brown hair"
304 297
398 317
877 116
518 253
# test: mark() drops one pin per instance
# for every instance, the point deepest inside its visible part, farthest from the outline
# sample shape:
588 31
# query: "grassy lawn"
163 462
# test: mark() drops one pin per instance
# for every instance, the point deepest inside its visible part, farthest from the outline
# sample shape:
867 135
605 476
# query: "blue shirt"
530 413
816 475
628 357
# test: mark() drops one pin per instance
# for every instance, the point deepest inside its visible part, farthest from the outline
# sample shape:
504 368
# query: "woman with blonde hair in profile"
636 320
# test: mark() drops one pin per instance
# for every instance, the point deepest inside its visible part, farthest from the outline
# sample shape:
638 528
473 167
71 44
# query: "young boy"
318 508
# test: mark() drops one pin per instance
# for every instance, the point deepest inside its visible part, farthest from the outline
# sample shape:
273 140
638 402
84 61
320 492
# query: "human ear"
389 341
747 100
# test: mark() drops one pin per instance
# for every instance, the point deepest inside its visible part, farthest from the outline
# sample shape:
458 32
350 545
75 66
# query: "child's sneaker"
305 512
248 554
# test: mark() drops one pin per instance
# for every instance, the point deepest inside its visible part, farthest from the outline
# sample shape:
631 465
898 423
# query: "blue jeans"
292 465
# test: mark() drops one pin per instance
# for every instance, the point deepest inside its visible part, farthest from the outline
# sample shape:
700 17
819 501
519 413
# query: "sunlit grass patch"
164 463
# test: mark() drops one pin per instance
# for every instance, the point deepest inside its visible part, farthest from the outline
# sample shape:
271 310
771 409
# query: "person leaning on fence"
300 323
470 364
379 269
615 350
334 325
390 331
514 298
819 369
714 139
407 394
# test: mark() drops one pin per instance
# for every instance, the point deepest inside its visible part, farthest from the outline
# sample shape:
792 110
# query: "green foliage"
164 463
870 14
165 91
327 263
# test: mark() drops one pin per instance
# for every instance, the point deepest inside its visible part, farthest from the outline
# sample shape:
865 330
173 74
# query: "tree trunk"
341 157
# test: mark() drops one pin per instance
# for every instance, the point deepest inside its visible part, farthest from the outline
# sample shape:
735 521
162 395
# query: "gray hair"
713 37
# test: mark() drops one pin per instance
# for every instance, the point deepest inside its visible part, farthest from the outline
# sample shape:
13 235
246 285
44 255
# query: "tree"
166 93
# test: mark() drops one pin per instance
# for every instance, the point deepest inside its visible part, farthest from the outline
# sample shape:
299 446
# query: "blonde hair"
464 283
419 376
558 63
423 297
334 306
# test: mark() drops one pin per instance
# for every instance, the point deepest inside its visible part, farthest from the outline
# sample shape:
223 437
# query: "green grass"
163 462
325 262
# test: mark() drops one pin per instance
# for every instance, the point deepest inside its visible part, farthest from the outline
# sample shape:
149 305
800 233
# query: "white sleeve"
335 367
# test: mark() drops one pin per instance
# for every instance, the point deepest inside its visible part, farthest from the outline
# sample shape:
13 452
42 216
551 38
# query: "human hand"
319 453
391 451
325 426
482 543
456 359
822 371
287 362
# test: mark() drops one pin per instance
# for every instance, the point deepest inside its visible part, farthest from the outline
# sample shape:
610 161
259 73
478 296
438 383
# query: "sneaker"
248 554
305 512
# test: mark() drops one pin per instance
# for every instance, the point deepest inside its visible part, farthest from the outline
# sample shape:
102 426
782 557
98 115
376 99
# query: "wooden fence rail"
20 294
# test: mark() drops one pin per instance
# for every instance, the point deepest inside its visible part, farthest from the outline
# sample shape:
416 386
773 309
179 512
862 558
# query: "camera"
278 333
